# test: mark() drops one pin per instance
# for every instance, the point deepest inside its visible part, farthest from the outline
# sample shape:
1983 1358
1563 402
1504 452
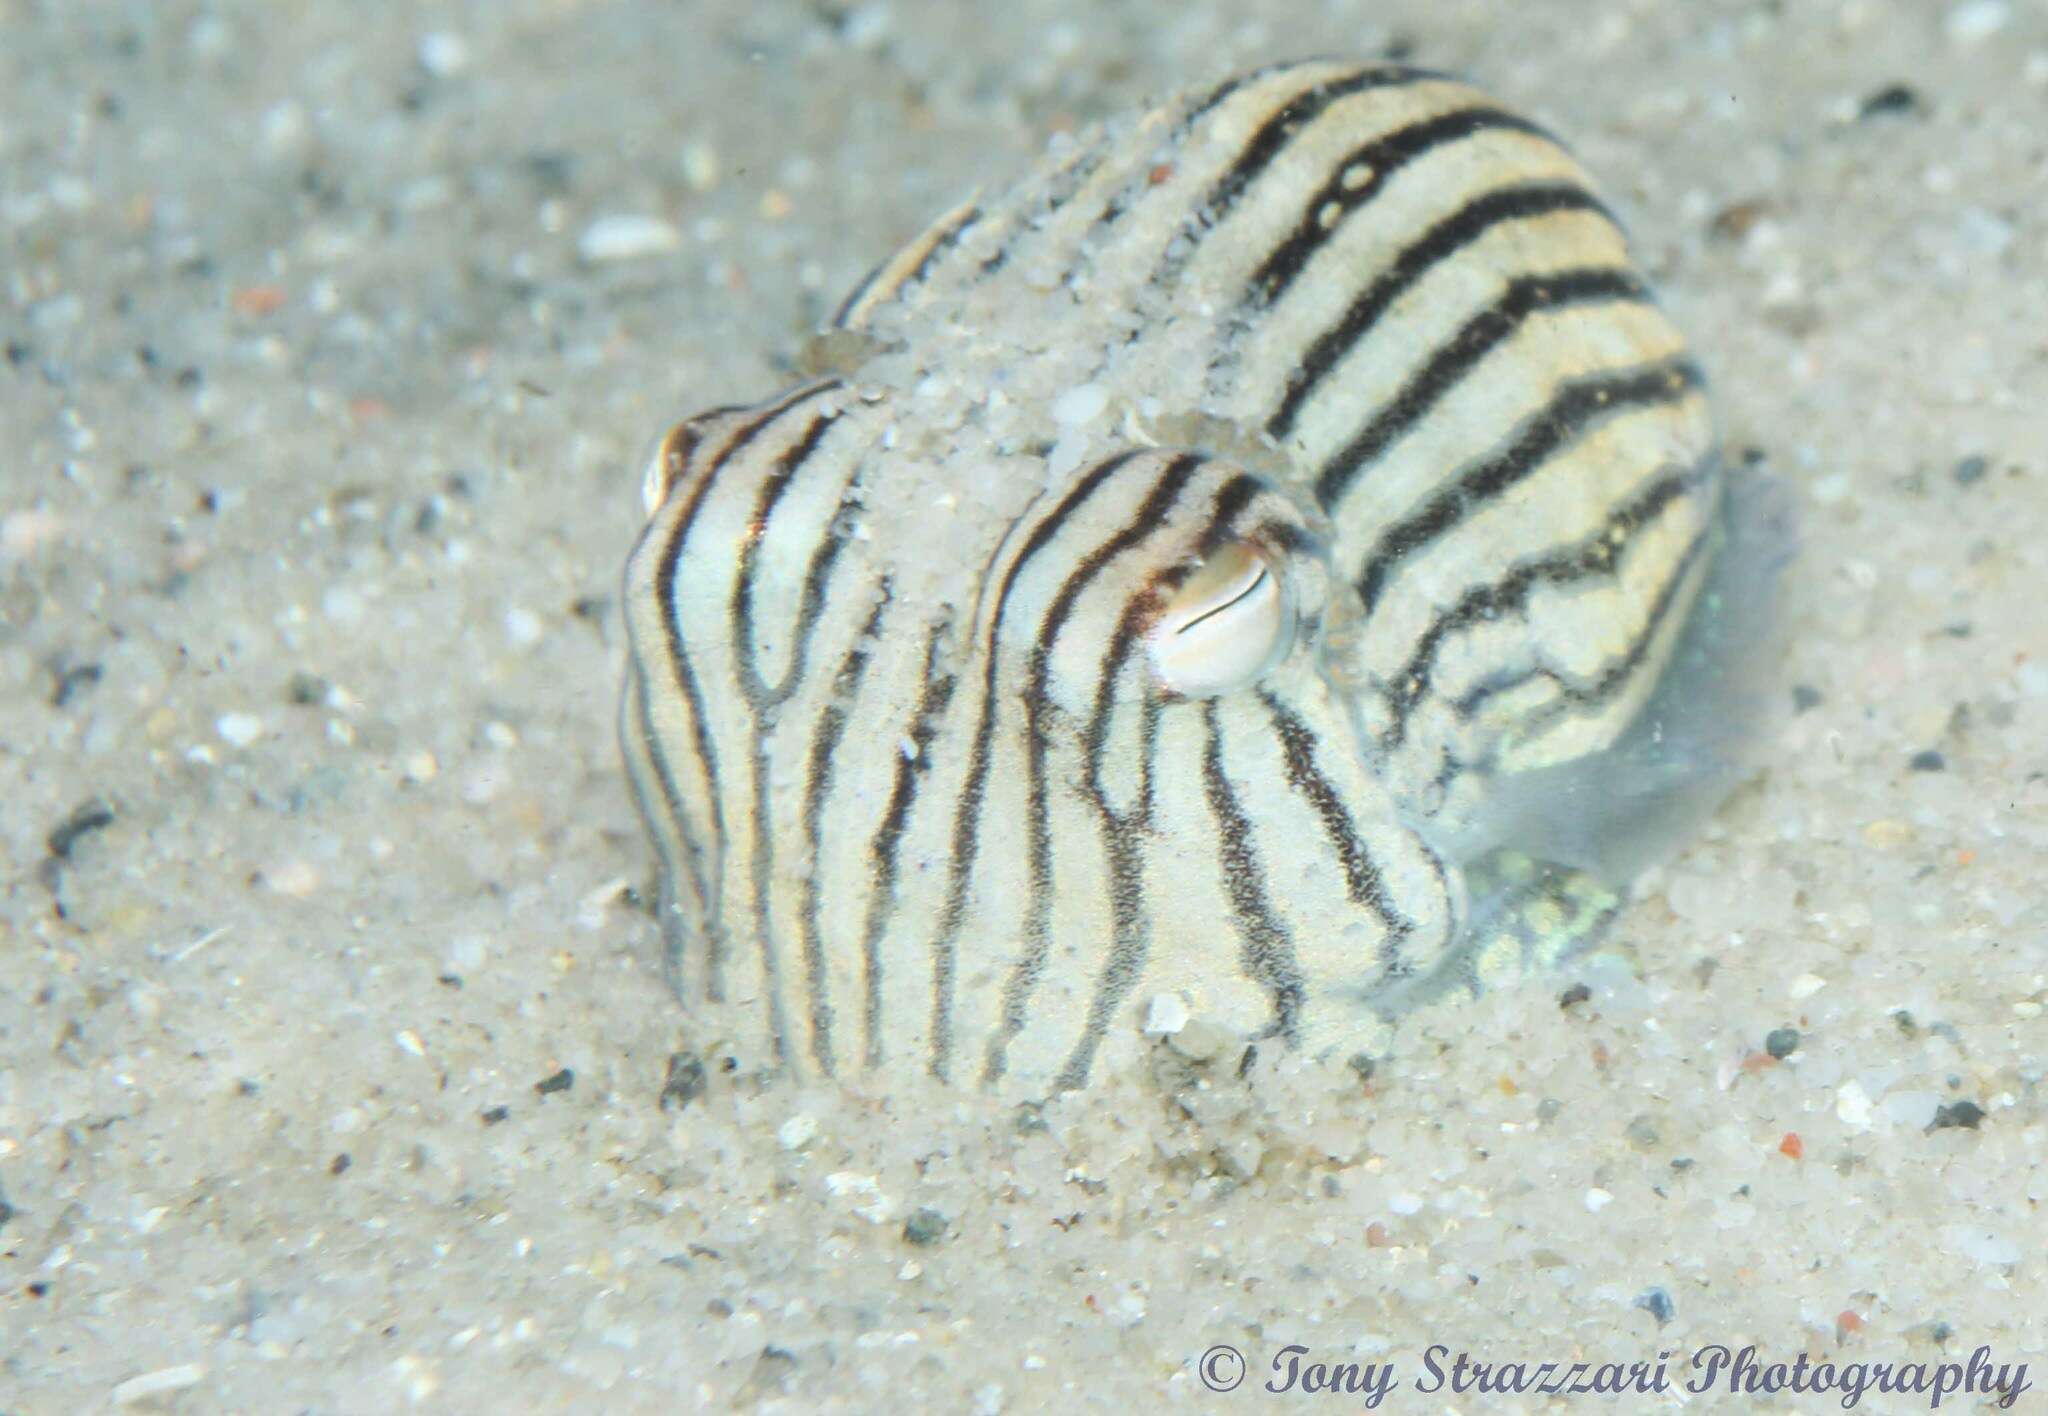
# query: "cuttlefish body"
1275 556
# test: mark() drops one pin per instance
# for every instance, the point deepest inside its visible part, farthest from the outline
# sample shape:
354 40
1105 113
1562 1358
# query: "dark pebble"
1804 697
684 1082
1972 469
6 1213
1928 761
1782 1042
1363 1065
1892 98
496 1114
552 171
73 681
307 689
1657 1303
95 815
1733 222
559 1082
339 1163
1576 994
1966 1114
925 1227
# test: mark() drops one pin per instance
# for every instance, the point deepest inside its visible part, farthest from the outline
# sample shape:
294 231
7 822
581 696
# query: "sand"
336 1071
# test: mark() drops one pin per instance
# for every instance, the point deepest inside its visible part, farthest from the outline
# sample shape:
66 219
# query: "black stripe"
685 678
944 240
1150 518
1236 494
1385 156
817 783
1596 554
1281 127
1576 406
1603 685
1362 880
855 295
882 850
967 821
1458 356
671 806
811 601
1443 240
1260 152
1268 950
1123 832
765 701
1170 146
763 869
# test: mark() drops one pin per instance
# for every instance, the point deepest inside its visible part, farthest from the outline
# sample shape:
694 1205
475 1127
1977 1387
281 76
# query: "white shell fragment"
627 237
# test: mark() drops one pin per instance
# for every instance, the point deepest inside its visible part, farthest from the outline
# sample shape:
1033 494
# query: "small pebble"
443 54
1782 1042
1892 98
927 1226
1598 1199
294 879
1166 1015
238 729
1805 986
1079 405
523 627
1852 1106
797 1132
164 1379
1804 698
624 237
93 816
1975 21
559 1082
700 166
1657 1303
1927 761
684 1083
1972 469
1966 1114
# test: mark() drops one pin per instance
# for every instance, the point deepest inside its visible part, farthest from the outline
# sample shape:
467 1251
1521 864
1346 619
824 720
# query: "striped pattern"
910 706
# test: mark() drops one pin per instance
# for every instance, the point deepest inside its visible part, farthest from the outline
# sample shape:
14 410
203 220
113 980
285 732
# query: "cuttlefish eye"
1227 623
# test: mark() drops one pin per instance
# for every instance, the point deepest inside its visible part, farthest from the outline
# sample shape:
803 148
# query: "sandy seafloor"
316 433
